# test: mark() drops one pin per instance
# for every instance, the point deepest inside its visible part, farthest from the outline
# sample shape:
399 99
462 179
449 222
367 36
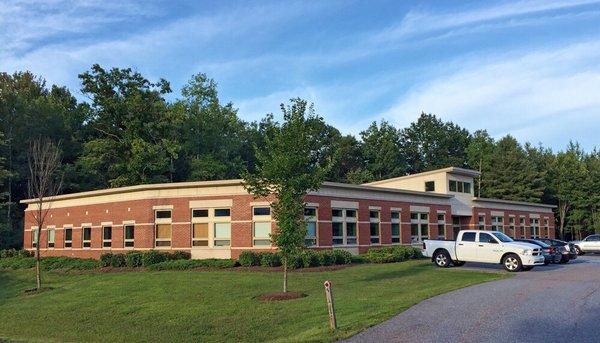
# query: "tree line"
128 130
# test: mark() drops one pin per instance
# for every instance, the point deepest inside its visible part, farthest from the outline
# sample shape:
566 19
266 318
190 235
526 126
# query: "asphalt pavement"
555 303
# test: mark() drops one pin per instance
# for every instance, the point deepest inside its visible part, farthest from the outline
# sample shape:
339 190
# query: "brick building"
219 219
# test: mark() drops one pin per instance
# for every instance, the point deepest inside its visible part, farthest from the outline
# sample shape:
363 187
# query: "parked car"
551 254
589 244
568 250
485 247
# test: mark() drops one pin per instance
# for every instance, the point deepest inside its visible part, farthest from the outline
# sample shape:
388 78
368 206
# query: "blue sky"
528 68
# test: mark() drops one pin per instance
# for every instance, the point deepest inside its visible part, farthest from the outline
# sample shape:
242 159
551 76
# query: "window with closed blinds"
51 235
107 236
163 235
68 237
34 238
262 231
129 236
222 234
200 235
87 237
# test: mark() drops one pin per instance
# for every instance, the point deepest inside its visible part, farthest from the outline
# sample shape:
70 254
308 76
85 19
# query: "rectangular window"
129 236
200 235
222 212
163 214
467 187
497 223
202 213
337 229
546 228
343 226
87 237
106 236
441 226
337 213
374 227
51 236
34 237
535 227
310 218
262 211
522 227
452 186
460 188
429 186
68 237
419 227
395 215
163 235
511 227
481 223
262 233
222 235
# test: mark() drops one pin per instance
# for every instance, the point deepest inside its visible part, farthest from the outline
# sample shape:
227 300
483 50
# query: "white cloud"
538 96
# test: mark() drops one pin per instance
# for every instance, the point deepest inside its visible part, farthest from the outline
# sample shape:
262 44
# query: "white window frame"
128 240
163 221
498 225
104 239
441 223
534 227
511 226
310 240
420 222
522 227
83 240
65 241
34 241
375 239
396 221
202 220
480 222
344 220
262 219
51 244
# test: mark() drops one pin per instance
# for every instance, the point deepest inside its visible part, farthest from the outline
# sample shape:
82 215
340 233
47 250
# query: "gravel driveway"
547 304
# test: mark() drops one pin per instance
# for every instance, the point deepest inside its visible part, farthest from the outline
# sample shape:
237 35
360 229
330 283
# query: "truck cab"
484 247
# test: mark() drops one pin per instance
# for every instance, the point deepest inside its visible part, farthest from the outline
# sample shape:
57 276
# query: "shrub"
14 253
17 263
270 259
153 257
342 257
105 259
310 258
112 260
133 259
180 255
248 259
183 264
295 261
67 263
326 258
393 254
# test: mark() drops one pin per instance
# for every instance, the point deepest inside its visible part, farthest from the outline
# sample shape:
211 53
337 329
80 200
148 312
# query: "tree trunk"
285 276
562 212
38 233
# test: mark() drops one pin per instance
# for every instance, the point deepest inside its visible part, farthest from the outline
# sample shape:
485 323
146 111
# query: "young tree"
44 182
288 167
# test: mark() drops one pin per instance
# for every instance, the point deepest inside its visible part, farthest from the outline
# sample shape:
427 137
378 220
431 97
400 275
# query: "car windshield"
502 237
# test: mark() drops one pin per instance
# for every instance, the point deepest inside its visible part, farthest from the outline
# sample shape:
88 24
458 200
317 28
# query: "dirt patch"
280 296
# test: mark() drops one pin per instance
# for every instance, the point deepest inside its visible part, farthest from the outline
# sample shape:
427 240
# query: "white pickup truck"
484 247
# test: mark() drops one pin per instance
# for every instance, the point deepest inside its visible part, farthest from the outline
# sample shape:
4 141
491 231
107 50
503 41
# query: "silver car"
589 244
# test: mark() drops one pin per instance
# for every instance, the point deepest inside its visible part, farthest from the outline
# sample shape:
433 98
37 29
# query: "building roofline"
451 170
217 183
512 202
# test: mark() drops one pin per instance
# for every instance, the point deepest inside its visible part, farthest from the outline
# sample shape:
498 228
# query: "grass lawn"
215 305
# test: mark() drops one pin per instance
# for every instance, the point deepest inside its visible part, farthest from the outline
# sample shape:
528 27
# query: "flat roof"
450 170
217 183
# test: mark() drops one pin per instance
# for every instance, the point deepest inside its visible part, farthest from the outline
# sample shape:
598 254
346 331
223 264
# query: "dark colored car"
568 250
551 254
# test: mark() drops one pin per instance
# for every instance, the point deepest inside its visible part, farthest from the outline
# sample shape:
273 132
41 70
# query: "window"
419 226
51 236
594 238
546 228
129 236
87 237
452 186
34 237
395 215
310 218
162 228
468 237
343 226
441 226
534 227
481 223
460 186
68 237
200 234
199 213
511 227
261 226
486 238
106 236
163 214
222 235
497 223
262 211
222 212
374 227
429 186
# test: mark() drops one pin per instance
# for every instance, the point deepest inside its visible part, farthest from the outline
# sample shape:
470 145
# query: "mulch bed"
204 269
279 296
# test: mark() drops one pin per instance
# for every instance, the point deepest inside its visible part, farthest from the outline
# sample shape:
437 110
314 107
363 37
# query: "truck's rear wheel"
512 263
442 259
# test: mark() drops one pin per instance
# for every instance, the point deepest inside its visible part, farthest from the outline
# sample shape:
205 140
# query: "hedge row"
305 259
193 264
134 259
48 263
14 253
393 254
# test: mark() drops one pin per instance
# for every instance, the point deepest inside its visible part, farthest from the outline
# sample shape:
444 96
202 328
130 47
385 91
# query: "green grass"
215 305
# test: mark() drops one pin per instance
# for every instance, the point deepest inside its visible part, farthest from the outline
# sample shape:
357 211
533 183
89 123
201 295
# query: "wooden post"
330 307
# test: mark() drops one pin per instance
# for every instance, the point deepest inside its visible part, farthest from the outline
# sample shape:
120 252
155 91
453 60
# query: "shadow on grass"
394 274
